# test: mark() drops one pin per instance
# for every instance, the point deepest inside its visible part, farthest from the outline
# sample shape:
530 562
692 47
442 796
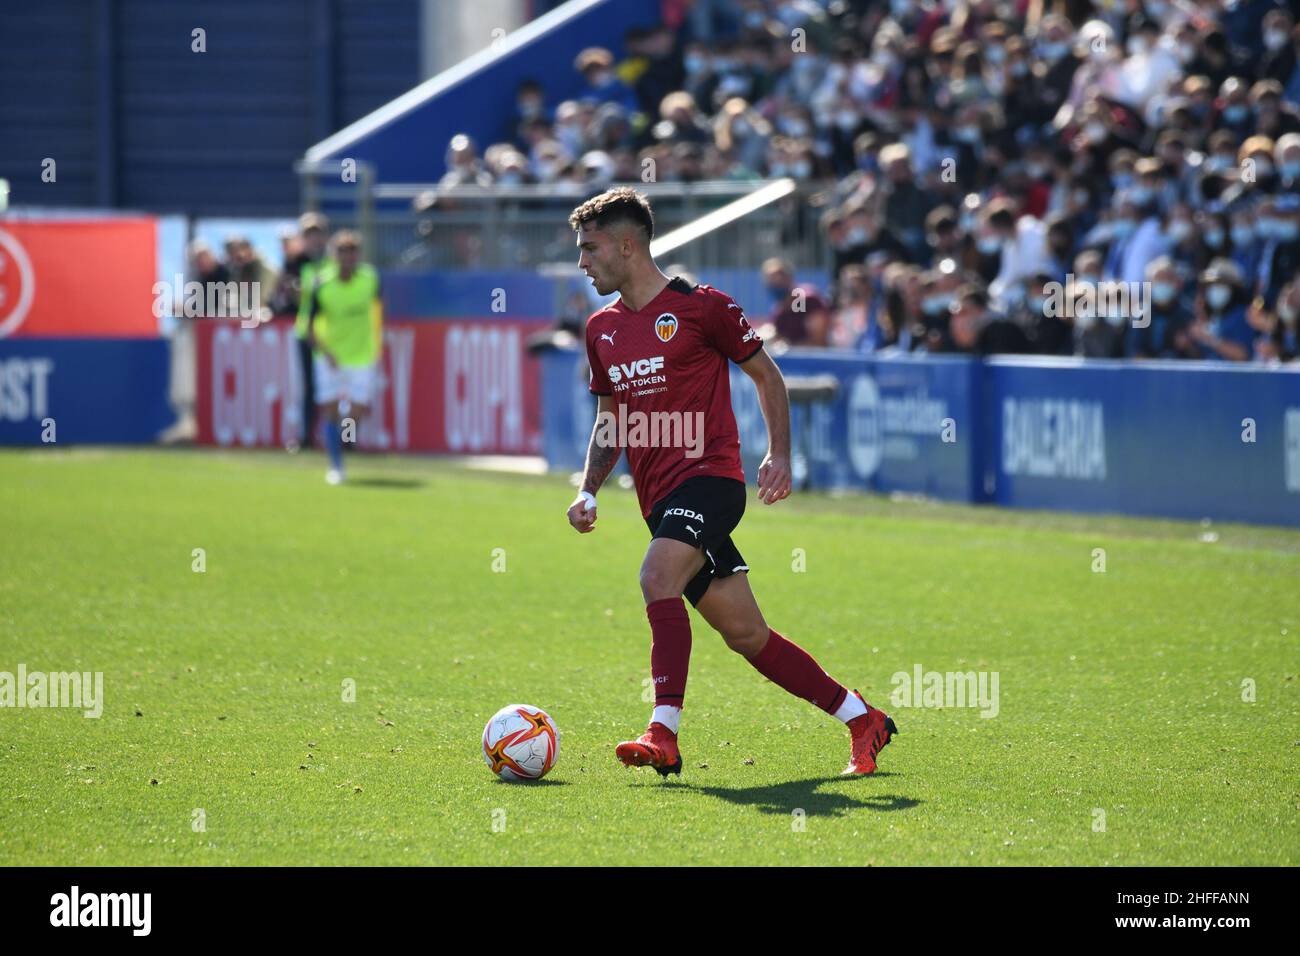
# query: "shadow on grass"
378 481
532 784
783 798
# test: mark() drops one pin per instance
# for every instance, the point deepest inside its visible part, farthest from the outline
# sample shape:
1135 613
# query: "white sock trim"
670 717
852 707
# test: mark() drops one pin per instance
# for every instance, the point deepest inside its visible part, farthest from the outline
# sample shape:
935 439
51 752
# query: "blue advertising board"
1173 439
1168 439
79 391
894 425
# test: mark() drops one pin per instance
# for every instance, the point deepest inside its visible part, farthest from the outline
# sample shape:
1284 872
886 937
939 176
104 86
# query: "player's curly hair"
621 204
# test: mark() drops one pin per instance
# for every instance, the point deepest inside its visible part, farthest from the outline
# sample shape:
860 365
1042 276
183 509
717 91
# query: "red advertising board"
78 277
462 386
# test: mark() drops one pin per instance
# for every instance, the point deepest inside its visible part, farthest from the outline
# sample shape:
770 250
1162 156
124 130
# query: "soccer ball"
521 743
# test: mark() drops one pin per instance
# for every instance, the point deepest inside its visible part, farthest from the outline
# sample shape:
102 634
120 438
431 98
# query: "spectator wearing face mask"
1055 64
1135 238
854 323
867 233
1245 239
799 316
1097 333
1234 109
463 165
1219 330
1279 60
939 287
1170 314
1287 155
1286 332
596 64
1185 240
681 121
1048 327
1273 117
530 106
906 204
1279 256
1215 239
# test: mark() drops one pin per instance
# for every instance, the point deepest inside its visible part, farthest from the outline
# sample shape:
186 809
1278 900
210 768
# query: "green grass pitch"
1125 733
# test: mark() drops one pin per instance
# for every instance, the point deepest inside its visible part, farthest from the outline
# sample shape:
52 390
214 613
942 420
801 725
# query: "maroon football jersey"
671 357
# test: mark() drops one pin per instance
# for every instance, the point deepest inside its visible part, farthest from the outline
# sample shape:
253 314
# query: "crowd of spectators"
240 263
984 166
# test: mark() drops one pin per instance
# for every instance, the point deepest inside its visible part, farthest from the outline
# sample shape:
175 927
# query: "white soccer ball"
521 743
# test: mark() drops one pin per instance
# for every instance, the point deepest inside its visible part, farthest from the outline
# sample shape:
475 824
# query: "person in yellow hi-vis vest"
345 329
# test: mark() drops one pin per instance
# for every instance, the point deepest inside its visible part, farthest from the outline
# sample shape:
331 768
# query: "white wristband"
589 498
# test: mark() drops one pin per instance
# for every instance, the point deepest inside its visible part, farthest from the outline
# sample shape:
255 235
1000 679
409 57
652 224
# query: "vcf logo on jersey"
666 326
635 370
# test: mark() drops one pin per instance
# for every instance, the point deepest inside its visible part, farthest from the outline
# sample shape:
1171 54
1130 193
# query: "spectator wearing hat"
680 121
1219 330
906 204
1273 116
596 64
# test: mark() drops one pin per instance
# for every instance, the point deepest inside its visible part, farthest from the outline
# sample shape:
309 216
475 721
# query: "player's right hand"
581 517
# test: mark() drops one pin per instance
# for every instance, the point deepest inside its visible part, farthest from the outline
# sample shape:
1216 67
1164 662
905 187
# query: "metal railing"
420 226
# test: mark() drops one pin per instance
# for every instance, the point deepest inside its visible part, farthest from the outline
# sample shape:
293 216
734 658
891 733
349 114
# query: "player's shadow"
378 481
784 798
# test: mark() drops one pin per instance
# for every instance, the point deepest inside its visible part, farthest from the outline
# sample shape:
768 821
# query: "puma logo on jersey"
694 532
609 337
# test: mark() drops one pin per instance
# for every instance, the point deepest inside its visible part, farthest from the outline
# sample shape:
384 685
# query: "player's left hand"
774 479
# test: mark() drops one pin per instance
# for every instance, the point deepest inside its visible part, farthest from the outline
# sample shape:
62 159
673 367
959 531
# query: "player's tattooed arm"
774 474
603 451
602 456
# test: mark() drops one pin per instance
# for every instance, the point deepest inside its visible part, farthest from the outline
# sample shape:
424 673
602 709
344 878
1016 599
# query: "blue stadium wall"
111 91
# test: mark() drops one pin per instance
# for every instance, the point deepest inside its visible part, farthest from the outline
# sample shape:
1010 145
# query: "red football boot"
657 748
871 732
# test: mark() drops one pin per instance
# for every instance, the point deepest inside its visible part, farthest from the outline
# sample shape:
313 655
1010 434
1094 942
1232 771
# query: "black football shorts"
702 512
